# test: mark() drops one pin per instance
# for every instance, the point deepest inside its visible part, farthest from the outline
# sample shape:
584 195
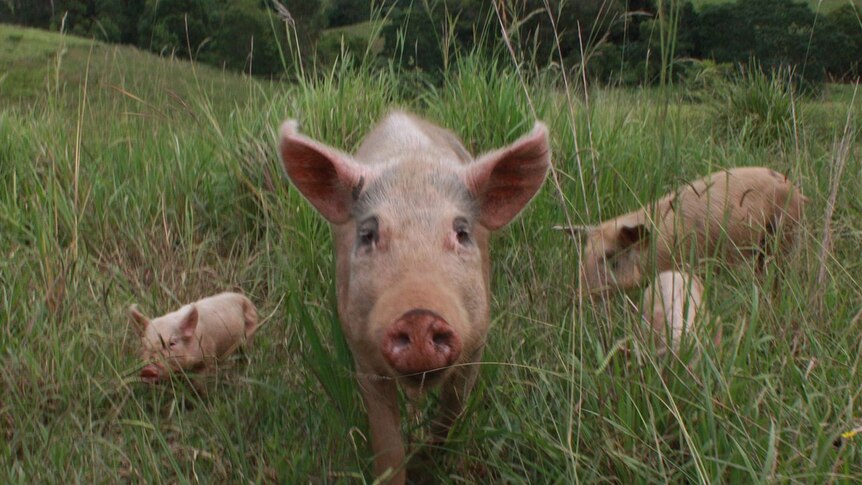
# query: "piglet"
196 335
670 306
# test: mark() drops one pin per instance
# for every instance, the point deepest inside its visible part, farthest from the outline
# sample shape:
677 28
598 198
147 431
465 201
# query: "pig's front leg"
453 397
381 401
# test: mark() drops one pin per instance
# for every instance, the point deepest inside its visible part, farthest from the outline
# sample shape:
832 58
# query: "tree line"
615 41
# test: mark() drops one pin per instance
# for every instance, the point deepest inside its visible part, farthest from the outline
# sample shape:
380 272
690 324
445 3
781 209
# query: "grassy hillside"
154 181
38 66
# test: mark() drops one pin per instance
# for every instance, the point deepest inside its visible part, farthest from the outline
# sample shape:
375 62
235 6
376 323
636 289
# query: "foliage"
243 39
672 29
347 12
238 34
702 80
839 42
780 33
756 106
180 27
628 42
426 35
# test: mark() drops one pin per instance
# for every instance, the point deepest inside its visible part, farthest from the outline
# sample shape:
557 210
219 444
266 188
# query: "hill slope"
36 64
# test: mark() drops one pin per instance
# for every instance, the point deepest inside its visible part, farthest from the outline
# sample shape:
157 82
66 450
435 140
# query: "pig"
195 336
411 213
730 214
670 306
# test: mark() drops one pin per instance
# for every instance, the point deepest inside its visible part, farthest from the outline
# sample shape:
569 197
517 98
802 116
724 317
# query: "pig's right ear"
327 177
630 235
139 321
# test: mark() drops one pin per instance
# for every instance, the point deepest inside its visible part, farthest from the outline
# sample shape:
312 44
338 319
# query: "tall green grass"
159 183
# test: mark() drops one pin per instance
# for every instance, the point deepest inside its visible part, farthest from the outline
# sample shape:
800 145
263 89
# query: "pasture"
125 177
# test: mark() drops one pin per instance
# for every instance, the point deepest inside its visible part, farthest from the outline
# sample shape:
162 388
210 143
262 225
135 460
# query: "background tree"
26 12
309 20
619 40
245 40
424 35
178 26
838 41
347 12
774 32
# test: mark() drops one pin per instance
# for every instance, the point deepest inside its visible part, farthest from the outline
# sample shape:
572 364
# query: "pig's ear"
630 235
139 321
327 177
576 232
505 180
189 323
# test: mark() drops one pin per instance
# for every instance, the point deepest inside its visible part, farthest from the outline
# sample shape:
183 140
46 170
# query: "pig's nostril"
401 341
442 339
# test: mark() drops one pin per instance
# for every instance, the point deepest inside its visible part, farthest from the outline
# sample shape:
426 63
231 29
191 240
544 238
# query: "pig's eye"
462 230
367 233
170 344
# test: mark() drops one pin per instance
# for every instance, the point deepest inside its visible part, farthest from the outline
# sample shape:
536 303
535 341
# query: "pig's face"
612 257
416 271
168 343
411 241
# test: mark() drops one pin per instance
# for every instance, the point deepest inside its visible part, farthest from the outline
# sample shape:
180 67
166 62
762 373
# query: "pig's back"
222 318
738 205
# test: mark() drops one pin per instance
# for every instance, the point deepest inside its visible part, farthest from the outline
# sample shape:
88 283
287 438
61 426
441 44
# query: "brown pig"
670 306
411 212
729 214
194 336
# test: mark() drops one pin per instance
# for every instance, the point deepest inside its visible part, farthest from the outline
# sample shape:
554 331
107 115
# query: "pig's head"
411 240
168 343
612 256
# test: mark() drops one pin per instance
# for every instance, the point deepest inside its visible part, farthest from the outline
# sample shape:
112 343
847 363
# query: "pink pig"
729 215
671 306
194 336
411 213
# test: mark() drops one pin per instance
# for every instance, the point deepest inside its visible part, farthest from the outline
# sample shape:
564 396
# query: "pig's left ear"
630 235
189 323
139 321
505 180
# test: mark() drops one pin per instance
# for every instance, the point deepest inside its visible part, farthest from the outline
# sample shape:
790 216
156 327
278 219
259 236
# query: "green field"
125 177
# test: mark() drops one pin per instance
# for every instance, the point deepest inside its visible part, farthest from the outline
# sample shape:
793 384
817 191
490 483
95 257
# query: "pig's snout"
420 341
151 373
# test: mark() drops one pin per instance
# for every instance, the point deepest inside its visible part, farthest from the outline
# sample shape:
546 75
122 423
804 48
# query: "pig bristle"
539 128
289 128
742 199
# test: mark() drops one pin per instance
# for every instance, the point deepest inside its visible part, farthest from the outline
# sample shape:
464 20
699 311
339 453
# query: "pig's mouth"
424 379
151 373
